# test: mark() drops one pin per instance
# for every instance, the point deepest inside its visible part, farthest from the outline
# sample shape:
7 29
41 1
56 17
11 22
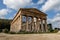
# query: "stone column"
38 24
39 21
42 25
27 23
35 29
32 23
46 28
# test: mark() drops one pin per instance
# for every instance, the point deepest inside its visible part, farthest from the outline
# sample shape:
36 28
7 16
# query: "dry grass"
30 36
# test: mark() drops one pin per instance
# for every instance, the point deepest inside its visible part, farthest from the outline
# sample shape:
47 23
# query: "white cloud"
16 4
55 20
40 1
10 18
50 4
3 12
48 20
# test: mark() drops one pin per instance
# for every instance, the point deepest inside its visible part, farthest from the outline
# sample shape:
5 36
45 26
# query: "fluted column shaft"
46 26
35 29
38 24
27 23
42 28
32 23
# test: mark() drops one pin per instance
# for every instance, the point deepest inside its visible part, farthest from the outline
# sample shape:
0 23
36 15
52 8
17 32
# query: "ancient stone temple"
29 19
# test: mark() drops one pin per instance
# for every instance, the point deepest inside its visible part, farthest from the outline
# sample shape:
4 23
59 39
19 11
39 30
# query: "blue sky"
8 9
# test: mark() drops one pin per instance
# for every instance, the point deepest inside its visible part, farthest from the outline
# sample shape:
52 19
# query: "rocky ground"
51 36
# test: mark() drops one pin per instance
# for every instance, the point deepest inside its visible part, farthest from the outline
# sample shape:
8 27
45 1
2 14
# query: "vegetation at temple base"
26 32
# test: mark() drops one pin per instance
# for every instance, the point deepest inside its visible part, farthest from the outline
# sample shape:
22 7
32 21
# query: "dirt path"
29 36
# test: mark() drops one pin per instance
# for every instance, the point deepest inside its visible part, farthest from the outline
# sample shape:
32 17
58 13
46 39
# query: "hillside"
5 23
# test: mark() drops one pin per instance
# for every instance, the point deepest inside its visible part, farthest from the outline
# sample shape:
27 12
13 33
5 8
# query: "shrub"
5 30
0 30
12 32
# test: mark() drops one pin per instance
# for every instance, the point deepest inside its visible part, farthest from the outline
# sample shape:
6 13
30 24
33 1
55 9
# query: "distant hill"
5 23
5 20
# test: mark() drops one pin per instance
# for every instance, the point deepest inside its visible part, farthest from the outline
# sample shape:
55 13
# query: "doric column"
32 23
38 24
46 28
27 23
42 25
35 26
